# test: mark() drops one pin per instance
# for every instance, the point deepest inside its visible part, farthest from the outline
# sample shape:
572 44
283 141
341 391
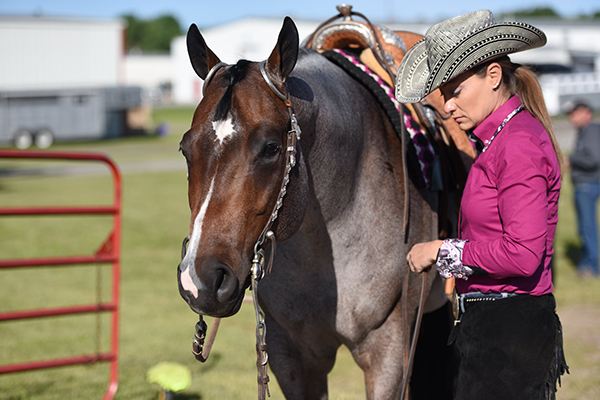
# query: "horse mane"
232 75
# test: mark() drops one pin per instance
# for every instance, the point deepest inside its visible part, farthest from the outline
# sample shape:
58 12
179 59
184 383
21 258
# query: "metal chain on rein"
258 262
262 358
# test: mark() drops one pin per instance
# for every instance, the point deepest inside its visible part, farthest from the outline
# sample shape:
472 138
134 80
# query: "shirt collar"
488 126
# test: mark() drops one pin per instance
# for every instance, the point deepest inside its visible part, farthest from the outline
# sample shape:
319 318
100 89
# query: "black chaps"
509 349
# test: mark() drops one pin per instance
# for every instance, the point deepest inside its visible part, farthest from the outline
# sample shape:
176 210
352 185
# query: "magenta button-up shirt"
509 208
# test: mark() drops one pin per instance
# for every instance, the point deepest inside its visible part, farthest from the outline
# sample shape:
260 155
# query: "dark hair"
576 105
520 80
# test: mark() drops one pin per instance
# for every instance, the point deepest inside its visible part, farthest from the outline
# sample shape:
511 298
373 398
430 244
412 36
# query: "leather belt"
466 300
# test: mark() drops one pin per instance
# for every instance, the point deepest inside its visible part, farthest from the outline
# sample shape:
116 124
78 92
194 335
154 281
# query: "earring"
497 85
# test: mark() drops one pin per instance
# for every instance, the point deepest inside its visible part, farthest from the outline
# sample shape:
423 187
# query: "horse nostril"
219 278
225 284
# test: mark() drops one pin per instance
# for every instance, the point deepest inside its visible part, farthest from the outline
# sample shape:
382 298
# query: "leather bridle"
258 270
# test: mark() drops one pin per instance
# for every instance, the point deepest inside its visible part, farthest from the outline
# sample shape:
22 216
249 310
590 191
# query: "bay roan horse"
340 262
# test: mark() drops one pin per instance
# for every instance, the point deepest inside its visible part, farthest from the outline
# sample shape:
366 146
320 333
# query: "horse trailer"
42 116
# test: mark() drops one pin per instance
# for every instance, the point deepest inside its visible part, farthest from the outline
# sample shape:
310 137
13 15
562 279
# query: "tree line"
549 12
151 35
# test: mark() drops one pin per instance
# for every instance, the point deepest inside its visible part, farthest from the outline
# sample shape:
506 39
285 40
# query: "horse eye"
271 149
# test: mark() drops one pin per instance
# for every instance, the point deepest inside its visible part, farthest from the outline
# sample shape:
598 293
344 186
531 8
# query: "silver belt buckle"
455 306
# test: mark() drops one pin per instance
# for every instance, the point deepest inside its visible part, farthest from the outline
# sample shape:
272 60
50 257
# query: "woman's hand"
423 255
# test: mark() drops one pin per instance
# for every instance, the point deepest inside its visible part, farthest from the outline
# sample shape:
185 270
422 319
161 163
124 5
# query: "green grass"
578 303
156 324
569 289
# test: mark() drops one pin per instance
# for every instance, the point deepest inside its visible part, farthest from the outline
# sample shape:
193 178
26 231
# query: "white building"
570 60
573 44
58 53
152 72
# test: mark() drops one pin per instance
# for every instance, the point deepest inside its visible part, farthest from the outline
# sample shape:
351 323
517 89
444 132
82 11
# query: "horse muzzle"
210 287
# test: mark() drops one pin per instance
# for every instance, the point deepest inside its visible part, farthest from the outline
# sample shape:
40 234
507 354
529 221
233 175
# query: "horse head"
237 155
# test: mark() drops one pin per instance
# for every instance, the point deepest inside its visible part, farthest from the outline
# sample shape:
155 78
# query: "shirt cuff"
449 261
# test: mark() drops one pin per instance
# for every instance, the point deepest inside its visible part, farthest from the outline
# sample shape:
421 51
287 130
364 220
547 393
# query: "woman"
508 334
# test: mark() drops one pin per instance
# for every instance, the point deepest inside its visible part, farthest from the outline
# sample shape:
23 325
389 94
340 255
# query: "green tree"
538 12
151 35
133 31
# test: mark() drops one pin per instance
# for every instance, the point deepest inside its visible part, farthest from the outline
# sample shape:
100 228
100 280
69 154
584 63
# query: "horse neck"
343 125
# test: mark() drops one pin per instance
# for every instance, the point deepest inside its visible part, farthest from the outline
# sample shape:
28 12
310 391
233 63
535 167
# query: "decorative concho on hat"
456 45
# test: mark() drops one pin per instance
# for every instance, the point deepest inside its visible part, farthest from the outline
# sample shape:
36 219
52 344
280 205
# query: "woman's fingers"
422 256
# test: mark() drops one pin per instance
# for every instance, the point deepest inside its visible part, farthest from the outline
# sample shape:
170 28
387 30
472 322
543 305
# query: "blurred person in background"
585 173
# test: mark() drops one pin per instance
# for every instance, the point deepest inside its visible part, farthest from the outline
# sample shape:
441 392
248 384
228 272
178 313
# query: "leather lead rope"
406 212
200 350
409 351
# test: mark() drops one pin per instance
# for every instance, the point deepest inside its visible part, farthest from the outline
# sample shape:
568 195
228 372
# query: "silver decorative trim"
210 74
389 36
263 72
352 26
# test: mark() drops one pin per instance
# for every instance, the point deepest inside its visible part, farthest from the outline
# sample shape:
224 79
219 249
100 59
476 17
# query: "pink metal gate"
108 253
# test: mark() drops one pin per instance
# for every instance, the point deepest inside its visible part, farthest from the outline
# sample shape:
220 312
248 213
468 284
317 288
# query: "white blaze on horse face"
223 129
187 283
186 280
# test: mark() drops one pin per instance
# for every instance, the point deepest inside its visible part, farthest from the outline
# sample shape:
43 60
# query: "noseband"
258 261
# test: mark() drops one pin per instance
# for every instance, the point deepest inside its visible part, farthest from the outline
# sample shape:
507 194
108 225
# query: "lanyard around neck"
508 118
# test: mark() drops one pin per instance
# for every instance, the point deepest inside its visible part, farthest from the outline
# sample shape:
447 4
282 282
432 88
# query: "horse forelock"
232 76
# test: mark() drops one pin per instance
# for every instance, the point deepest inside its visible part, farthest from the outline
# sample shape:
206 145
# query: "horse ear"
202 58
282 60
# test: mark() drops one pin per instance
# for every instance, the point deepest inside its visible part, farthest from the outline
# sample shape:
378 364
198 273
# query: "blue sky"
208 13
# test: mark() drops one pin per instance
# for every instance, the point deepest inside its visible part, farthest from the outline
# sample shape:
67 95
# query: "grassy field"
156 325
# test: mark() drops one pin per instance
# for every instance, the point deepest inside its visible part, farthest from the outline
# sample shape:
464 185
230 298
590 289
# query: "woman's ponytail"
530 92
520 80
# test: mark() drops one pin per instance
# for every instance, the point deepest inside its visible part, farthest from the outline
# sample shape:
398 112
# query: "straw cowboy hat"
456 45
